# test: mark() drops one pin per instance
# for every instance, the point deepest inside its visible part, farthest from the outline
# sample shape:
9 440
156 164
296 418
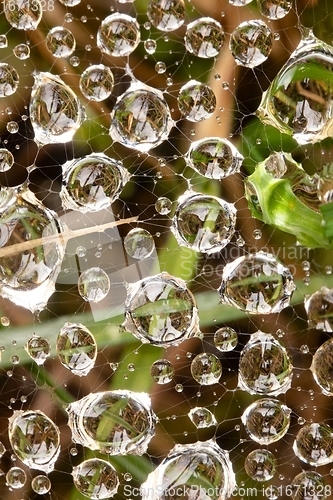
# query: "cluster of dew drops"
160 309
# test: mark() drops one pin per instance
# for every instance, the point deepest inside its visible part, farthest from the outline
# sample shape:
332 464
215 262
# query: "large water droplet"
60 42
76 348
95 479
23 14
141 118
322 367
214 157
6 160
139 243
38 349
162 371
264 366
251 43
257 283
266 420
204 37
260 465
314 444
191 471
55 111
96 82
204 223
115 422
299 101
160 310
41 484
16 478
309 485
166 15
319 308
274 9
35 439
118 35
206 369
9 80
29 264
202 417
196 101
92 183
225 339
93 284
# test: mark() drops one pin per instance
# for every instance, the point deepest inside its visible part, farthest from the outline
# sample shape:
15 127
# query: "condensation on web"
165 249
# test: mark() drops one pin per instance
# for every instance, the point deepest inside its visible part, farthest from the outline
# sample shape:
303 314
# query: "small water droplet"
266 420
314 444
60 42
118 35
204 37
41 484
202 417
139 243
251 43
128 476
206 369
257 234
196 101
166 15
23 14
163 205
38 349
96 82
319 308
179 387
3 41
308 485
260 465
93 284
21 51
150 46
225 339
162 371
76 348
274 9
96 479
6 160
16 478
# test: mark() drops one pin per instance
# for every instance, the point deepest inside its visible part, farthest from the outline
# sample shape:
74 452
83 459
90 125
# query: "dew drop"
251 43
6 160
239 3
41 484
202 417
206 369
23 14
196 101
266 420
179 387
322 367
160 310
2 449
60 42
35 439
274 9
260 465
15 359
118 35
204 223
12 127
150 46
314 444
21 51
139 243
92 183
128 476
225 339
9 80
265 366
160 67
257 234
319 308
96 479
96 82
91 420
307 484
93 284
166 15
3 41
214 157
163 205
74 61
16 478
141 118
204 37
70 3
55 111
38 349
76 348
162 371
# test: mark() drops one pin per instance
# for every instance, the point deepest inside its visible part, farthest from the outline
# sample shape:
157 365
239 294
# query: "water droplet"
163 205
96 82
92 422
206 369
314 444
141 118
35 439
266 420
166 15
265 366
118 35
21 51
204 37
299 101
150 46
239 3
322 367
38 349
202 417
41 484
260 465
257 284
308 485
257 234
204 223
160 67
76 348
225 339
162 371
6 160
214 157
139 243
55 111
196 101
23 14
9 80
3 41
96 479
2 449
274 9
74 61
128 476
186 468
251 43
28 273
92 183
179 387
319 308
60 42
93 284
12 127
161 310
16 478
70 3
15 359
